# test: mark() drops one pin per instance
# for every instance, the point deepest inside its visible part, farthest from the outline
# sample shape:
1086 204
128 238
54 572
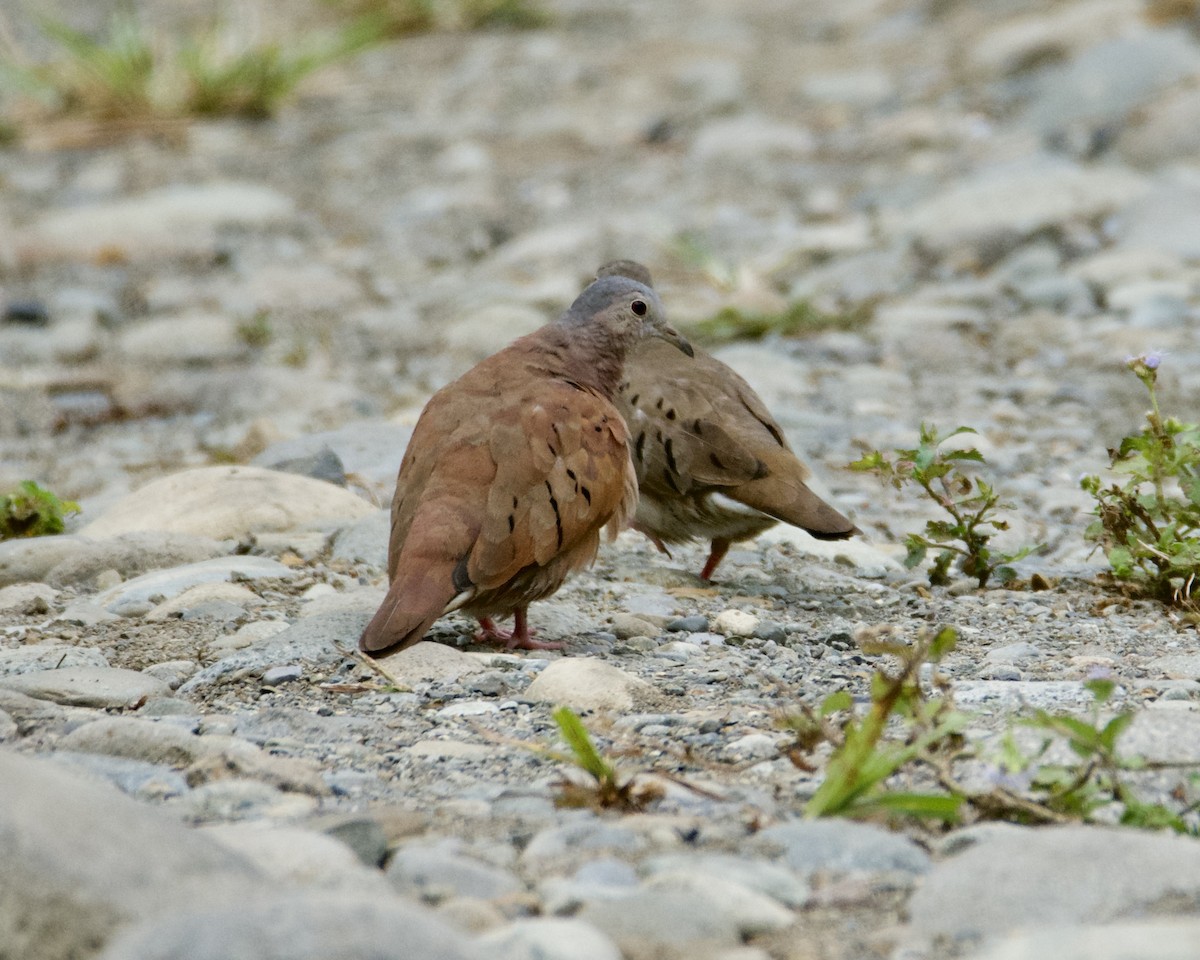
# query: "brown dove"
711 461
513 470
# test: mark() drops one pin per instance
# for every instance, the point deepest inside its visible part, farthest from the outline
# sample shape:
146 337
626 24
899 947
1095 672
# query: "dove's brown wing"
505 486
696 427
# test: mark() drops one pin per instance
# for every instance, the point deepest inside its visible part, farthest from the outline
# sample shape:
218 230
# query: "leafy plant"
863 760
33 511
402 17
1148 524
798 319
256 332
906 733
970 502
133 75
607 789
1081 790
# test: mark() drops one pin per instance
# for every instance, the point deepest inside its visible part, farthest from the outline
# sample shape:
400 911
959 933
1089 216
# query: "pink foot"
519 638
715 556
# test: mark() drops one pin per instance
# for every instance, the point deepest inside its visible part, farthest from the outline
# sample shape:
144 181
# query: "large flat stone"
1015 877
89 686
228 503
81 860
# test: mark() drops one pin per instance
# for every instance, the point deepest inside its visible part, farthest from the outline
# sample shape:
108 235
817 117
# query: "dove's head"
624 311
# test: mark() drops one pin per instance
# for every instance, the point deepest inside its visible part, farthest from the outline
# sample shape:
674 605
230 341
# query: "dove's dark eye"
638 307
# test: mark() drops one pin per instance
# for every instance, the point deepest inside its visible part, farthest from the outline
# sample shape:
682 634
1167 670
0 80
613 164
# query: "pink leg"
519 638
715 555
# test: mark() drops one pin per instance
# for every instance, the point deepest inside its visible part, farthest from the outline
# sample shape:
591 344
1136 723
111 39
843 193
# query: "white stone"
293 856
548 938
1020 199
203 593
228 503
735 623
174 581
170 221
88 686
585 684
195 338
27 598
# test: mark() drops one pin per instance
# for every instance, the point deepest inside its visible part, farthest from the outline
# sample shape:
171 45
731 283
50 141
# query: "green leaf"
916 552
580 742
841 700
1101 689
927 806
943 642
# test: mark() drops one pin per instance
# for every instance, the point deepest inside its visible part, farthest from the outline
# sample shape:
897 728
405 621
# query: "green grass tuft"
33 511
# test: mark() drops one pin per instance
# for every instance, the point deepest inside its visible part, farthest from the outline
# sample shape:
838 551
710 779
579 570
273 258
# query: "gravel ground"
1008 193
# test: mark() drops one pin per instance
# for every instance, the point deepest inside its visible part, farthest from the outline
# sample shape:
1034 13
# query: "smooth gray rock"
131 554
295 856
1008 695
27 599
807 846
88 686
1163 736
589 834
1102 84
288 725
364 541
297 926
146 781
48 656
661 917
100 861
762 875
548 938
1138 940
165 584
437 870
1014 877
30 560
149 741
228 502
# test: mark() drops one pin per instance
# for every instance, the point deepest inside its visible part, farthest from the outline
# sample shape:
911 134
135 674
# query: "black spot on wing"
669 450
557 515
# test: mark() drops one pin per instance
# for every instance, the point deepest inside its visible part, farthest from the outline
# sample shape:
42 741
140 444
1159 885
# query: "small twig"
373 665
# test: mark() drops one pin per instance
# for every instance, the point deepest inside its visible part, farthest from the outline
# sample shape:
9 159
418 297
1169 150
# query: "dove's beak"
675 338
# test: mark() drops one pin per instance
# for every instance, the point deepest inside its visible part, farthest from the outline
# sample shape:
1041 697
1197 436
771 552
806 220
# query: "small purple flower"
1152 360
1100 672
1013 781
